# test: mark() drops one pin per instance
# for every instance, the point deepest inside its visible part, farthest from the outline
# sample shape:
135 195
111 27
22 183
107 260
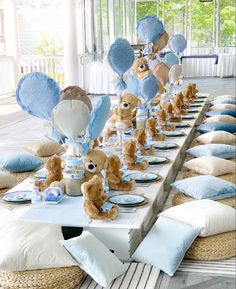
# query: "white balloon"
175 72
71 117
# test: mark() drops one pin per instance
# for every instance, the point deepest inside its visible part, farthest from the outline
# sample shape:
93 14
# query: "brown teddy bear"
140 137
140 68
114 175
94 163
162 115
161 42
123 115
94 198
168 107
152 131
54 172
129 150
161 72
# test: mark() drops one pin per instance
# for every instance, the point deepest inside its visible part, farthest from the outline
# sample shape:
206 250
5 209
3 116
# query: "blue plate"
200 100
196 105
152 160
173 133
141 177
18 197
181 124
193 110
126 199
165 145
188 116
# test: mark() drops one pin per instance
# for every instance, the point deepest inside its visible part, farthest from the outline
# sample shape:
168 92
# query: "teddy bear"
184 104
94 163
130 158
140 137
152 131
54 172
94 198
161 43
161 72
162 115
114 175
123 115
140 68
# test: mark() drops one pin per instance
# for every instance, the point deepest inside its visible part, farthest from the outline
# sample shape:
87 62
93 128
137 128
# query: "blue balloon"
171 59
38 94
99 117
120 56
132 85
149 29
148 87
177 43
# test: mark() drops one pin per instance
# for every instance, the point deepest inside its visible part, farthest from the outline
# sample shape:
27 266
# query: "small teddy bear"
162 115
140 137
94 198
114 175
130 158
152 131
140 68
161 43
94 163
123 115
54 172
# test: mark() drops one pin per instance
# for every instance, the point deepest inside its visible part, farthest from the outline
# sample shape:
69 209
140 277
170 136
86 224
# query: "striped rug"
138 276
222 267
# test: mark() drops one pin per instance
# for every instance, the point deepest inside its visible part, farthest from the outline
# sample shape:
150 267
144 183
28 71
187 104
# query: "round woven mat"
217 247
227 177
181 198
56 278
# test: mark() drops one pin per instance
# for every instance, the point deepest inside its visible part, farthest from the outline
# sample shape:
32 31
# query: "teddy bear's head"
129 147
53 164
129 101
93 189
140 135
151 123
95 161
113 163
140 65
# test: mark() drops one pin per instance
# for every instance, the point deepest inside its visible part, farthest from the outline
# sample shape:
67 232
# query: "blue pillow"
214 126
231 112
223 101
217 150
165 245
206 187
20 162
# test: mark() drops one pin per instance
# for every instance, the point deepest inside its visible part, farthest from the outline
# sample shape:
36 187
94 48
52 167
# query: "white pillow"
220 137
6 180
213 217
225 96
223 106
45 149
32 245
210 165
221 118
94 258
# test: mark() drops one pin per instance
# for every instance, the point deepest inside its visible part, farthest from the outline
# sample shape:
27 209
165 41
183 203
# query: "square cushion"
165 244
217 137
29 245
206 187
20 162
212 217
6 180
45 149
225 96
223 106
214 126
225 100
210 165
221 112
94 258
221 118
217 150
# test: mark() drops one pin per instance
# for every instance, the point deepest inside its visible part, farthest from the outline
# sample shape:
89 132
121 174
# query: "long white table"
125 233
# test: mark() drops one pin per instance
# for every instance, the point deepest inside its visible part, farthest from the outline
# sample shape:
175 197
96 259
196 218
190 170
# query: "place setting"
128 200
175 133
165 145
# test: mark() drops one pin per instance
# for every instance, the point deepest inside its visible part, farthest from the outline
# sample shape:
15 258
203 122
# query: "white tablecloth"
198 67
226 65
